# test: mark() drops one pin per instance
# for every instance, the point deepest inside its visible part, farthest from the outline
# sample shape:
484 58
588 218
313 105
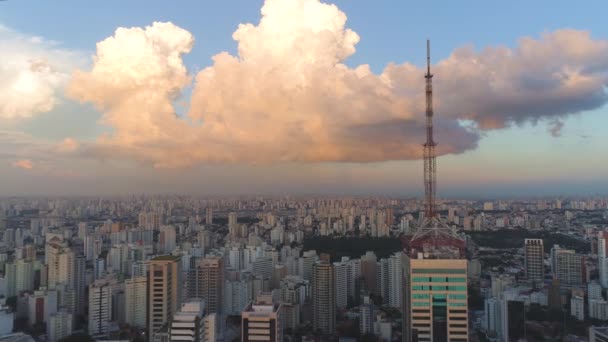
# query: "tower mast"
430 175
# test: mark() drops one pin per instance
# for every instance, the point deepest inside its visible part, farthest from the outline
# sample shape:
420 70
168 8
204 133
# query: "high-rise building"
395 280
513 320
135 301
100 307
341 278
59 326
324 298
191 323
209 216
164 291
534 259
294 292
438 300
368 271
567 266
166 239
206 281
602 255
492 321
262 320
577 307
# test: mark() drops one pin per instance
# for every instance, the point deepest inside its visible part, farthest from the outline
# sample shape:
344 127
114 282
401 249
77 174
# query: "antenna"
432 232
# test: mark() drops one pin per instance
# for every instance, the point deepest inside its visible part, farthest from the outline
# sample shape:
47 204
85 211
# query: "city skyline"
292 107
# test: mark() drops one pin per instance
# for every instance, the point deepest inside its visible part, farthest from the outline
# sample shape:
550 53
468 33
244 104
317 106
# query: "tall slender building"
206 281
534 259
164 292
324 298
435 301
100 307
602 256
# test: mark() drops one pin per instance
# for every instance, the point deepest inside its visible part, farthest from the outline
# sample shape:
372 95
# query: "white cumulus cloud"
288 96
32 74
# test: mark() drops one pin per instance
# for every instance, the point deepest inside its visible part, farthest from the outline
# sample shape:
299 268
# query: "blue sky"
524 157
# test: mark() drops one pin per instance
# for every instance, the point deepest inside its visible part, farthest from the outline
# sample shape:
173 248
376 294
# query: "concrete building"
262 320
492 321
534 260
602 255
206 281
135 301
191 323
59 326
395 280
100 307
164 291
438 299
577 307
324 298
567 266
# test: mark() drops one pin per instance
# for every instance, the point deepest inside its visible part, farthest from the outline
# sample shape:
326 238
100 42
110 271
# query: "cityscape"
268 196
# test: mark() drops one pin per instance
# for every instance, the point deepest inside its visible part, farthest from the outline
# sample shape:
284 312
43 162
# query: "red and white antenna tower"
432 232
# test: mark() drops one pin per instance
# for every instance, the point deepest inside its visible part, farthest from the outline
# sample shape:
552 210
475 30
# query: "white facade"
135 301
59 326
100 307
577 308
598 309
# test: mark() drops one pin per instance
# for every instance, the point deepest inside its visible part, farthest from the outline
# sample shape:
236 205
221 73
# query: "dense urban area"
161 268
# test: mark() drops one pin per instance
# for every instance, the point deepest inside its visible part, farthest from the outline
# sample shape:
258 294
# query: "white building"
166 239
59 326
598 309
191 323
6 320
341 276
577 307
100 307
602 255
135 301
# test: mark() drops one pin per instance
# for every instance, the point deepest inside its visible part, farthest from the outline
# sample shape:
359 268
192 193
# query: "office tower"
206 281
602 255
568 266
438 299
534 260
262 320
577 307
191 323
324 298
166 239
164 291
135 301
209 216
368 270
59 326
598 334
100 307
